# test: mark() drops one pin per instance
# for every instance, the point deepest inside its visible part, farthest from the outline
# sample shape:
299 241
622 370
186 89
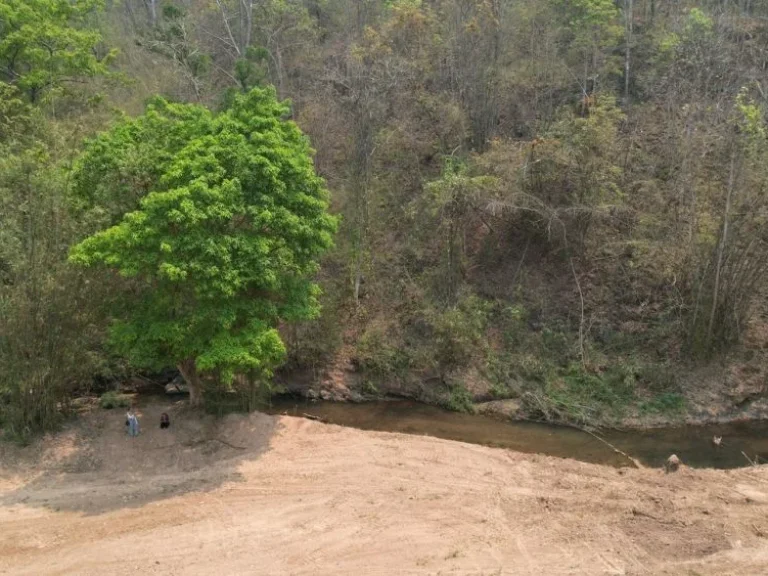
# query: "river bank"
702 399
258 494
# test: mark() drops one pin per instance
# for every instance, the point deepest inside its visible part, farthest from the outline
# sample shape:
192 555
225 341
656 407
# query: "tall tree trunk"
246 24
361 233
228 28
129 10
721 248
152 11
188 369
280 88
582 350
585 87
628 14
364 147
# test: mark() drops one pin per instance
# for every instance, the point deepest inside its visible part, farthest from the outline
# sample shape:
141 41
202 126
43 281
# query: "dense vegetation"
557 201
221 221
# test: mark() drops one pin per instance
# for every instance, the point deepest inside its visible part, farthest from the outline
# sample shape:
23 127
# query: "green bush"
578 395
670 403
458 333
459 400
657 377
511 320
556 345
380 359
499 370
613 389
370 388
112 399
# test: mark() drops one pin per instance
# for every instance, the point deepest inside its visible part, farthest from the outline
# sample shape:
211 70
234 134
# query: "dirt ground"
285 496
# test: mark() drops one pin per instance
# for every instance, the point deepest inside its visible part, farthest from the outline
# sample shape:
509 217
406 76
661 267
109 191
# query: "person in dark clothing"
165 421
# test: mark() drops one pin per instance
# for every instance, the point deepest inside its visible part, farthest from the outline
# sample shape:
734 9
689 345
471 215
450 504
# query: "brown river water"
692 444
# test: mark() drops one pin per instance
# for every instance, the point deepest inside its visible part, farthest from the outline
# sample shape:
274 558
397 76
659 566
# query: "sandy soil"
285 496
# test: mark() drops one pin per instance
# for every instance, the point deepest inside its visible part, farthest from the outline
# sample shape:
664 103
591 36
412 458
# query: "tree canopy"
221 222
44 43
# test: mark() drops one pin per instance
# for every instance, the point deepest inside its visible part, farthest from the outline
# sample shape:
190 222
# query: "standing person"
133 423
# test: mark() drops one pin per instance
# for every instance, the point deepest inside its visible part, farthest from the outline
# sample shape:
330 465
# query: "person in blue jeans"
132 422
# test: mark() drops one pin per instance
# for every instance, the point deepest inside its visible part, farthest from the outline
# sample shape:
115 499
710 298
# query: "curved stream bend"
693 444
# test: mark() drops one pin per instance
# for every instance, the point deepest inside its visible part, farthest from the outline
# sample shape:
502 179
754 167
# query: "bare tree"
629 23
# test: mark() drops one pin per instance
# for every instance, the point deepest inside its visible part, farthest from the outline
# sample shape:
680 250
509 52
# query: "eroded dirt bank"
265 495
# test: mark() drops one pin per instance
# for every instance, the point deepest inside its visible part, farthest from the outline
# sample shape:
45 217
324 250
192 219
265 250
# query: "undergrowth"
518 357
112 399
459 399
668 403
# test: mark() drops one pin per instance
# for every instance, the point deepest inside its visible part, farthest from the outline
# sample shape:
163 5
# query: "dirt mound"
263 495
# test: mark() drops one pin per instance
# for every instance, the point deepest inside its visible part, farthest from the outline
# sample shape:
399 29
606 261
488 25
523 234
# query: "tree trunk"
279 58
628 12
246 24
585 89
582 351
721 248
131 15
188 369
152 10
358 276
228 28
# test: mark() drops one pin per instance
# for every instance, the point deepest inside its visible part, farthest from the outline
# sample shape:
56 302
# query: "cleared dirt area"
285 496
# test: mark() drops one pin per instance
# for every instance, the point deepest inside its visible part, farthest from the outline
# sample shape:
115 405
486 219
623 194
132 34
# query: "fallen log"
315 418
612 447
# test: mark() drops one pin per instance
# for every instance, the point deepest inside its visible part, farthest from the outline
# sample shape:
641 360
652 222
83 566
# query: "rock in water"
672 464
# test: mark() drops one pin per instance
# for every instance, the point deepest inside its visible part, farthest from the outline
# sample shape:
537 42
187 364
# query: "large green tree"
217 222
45 44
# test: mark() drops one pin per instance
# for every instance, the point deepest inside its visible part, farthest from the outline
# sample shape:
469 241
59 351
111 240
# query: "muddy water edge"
693 444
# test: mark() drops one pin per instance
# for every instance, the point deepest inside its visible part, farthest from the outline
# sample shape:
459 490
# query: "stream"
692 444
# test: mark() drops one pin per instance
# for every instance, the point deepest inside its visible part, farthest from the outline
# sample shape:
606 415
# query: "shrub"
458 332
578 395
667 403
379 358
112 399
657 377
459 399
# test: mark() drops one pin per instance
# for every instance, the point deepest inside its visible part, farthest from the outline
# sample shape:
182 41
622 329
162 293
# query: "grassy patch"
658 378
669 403
577 395
112 399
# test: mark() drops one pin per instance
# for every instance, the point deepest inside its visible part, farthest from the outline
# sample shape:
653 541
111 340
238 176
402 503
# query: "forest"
559 202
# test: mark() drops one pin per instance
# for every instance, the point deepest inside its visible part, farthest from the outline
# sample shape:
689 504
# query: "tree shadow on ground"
94 467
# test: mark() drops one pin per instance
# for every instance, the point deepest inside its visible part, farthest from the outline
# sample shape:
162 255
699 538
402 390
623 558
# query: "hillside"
279 495
559 203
